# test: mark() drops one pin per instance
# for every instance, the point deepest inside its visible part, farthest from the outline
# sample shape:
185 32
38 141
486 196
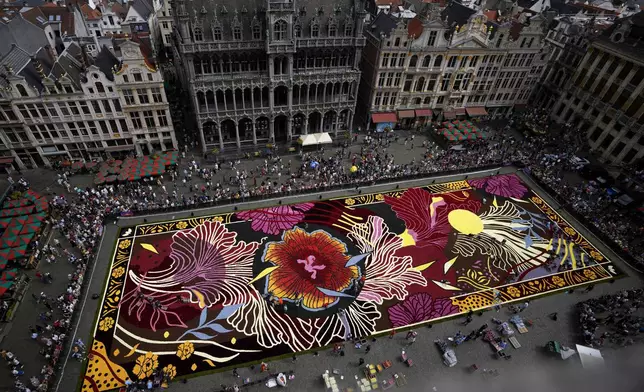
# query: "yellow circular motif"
558 281
349 201
170 371
570 231
590 274
218 219
125 244
145 365
106 324
185 350
513 291
118 272
380 197
596 255
465 221
181 225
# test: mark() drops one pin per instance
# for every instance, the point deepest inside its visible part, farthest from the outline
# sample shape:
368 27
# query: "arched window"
198 34
333 30
413 60
297 31
315 31
416 101
99 87
427 100
279 30
427 60
348 29
438 61
216 33
21 90
257 32
237 33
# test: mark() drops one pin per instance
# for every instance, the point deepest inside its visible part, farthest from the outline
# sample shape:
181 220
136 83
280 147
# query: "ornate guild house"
264 71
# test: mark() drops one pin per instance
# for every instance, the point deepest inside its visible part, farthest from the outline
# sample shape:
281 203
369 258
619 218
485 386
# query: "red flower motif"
274 220
307 263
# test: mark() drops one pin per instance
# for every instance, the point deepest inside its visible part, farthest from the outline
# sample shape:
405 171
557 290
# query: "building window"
157 97
457 82
85 108
129 97
381 79
257 32
137 77
150 77
100 88
427 60
333 30
279 30
348 30
446 81
163 119
198 34
438 61
315 31
385 60
413 60
499 41
117 105
237 33
126 79
451 62
136 120
216 32
148 116
106 106
397 42
143 95
431 40
97 107
377 99
21 90
297 31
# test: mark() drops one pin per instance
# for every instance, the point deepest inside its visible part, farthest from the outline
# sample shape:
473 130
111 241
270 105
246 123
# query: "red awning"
449 115
460 111
378 118
423 113
476 111
4 161
406 114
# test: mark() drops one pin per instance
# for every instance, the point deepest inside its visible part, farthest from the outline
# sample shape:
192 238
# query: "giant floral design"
308 266
145 365
420 307
506 185
208 263
274 220
388 277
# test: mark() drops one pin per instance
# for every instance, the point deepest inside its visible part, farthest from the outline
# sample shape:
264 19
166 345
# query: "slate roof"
456 14
383 24
23 33
634 42
251 12
105 61
143 7
62 14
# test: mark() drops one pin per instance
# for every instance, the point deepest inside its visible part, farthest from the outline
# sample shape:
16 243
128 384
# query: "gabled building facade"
269 70
448 62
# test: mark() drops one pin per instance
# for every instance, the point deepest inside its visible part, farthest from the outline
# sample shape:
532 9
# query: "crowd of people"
79 215
617 318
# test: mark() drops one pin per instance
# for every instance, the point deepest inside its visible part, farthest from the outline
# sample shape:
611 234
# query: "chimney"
38 67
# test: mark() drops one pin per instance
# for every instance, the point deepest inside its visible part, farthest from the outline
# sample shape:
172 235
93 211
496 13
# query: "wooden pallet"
514 342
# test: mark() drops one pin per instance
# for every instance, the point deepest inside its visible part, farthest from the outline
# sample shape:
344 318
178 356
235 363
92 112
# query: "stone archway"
211 134
315 122
329 122
228 131
280 127
299 123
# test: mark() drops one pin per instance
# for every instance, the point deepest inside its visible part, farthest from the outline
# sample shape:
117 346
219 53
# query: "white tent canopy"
314 139
590 357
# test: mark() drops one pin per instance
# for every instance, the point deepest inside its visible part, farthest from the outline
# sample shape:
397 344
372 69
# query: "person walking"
360 361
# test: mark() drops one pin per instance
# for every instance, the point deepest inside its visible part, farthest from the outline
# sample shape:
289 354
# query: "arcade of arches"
281 128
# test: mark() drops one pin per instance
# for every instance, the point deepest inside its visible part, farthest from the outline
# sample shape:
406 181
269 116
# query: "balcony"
281 6
246 77
280 47
330 41
205 47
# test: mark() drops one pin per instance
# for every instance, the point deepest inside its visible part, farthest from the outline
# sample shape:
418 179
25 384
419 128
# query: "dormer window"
348 30
257 32
237 33
333 30
22 91
216 32
297 31
198 34
315 31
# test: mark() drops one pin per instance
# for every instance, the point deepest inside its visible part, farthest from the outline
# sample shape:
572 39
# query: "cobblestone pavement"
528 365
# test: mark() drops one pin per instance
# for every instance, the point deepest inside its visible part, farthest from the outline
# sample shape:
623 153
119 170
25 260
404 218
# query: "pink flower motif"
144 309
208 263
274 220
506 185
420 307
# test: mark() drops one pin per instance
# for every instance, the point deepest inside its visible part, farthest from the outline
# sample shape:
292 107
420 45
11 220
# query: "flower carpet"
196 295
